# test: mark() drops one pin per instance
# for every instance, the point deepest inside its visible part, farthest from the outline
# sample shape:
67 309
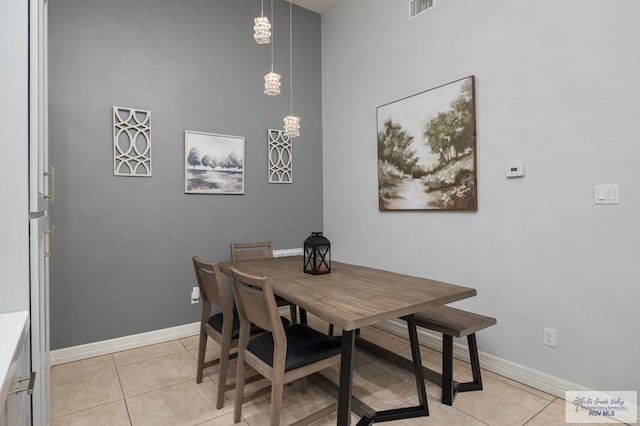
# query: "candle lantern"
317 254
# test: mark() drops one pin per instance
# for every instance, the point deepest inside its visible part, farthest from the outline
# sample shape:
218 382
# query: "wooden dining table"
351 297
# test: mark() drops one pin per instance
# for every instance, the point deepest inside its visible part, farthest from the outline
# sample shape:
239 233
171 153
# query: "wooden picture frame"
213 163
427 150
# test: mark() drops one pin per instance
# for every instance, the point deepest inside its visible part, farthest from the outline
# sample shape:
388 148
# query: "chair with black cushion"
223 327
263 250
285 354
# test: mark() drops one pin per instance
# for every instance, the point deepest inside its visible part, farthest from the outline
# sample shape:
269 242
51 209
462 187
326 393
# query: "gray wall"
124 249
557 88
14 140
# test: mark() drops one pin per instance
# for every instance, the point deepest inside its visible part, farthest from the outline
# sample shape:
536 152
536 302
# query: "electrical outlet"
549 337
195 295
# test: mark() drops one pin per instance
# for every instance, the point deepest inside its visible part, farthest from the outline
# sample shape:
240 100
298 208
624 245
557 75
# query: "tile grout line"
124 398
536 414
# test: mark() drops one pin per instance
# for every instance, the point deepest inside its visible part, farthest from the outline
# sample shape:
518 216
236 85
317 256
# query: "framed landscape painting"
427 150
213 163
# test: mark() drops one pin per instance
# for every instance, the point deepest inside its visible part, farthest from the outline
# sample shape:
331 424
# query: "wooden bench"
452 322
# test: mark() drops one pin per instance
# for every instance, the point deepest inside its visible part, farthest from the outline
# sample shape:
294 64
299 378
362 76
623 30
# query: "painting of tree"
214 164
427 150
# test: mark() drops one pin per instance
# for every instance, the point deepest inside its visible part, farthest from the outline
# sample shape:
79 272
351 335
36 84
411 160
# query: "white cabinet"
41 244
41 194
15 376
41 175
26 191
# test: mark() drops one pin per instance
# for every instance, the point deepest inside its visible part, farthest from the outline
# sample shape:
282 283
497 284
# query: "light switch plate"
607 193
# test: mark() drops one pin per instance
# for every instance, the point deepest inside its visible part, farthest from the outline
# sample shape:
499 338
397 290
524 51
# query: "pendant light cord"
290 58
272 35
262 8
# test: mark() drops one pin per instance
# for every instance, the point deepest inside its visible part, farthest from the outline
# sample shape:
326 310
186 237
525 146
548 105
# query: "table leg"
346 377
417 361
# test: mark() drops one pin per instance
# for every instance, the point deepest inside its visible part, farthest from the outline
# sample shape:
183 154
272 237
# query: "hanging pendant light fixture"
272 79
291 122
262 27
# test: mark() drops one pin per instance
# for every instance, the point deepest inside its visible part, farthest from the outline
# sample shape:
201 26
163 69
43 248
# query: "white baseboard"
90 350
528 376
519 373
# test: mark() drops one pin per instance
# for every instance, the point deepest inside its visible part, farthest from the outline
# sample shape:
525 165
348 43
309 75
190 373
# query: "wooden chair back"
250 251
256 304
212 288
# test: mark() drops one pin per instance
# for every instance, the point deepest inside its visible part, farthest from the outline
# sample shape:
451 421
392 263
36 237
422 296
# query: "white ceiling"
318 6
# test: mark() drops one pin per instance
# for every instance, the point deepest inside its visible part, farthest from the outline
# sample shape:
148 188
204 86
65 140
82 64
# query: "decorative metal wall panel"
131 142
280 157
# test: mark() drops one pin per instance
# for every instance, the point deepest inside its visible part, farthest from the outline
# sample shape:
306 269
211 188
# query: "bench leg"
447 370
475 367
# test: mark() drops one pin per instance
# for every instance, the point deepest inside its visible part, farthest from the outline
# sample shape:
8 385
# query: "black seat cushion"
216 322
304 346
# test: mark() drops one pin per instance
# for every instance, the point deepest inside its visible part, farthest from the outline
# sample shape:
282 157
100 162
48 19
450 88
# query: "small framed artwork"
213 163
427 150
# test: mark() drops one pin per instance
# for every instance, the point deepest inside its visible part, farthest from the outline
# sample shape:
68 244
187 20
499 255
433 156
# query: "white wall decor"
280 157
131 142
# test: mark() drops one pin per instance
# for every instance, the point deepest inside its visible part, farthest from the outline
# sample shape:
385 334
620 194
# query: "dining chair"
283 355
223 327
262 250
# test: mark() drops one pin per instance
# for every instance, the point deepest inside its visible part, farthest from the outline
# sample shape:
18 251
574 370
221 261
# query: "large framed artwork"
213 163
427 150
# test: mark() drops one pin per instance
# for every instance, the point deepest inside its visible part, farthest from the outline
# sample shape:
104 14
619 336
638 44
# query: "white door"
41 250
41 175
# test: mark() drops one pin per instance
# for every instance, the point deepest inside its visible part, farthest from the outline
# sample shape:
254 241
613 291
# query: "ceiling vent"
418 7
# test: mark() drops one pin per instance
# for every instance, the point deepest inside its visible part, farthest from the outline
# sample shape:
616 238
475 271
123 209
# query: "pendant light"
262 27
272 79
291 122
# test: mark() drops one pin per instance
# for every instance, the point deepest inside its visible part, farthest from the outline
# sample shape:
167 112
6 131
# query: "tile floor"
155 385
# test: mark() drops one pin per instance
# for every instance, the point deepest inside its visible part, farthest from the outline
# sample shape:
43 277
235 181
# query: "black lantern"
317 254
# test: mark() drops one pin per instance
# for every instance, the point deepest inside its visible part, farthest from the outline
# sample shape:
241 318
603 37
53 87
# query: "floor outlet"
549 337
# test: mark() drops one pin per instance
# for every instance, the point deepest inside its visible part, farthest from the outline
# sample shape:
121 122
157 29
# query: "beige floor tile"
72 394
225 420
433 359
182 404
157 373
486 373
498 403
212 352
295 405
332 419
113 414
439 414
554 414
398 372
375 387
99 364
146 353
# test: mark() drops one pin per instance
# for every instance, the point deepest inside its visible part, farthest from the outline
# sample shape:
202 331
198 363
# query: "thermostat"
515 170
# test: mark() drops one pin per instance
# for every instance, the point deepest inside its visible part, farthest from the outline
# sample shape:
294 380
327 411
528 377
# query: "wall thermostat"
515 170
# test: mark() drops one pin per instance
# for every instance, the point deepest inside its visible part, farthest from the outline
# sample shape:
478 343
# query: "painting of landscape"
427 150
214 164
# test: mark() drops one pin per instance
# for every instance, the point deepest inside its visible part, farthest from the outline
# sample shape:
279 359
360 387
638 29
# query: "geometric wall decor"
280 157
131 142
